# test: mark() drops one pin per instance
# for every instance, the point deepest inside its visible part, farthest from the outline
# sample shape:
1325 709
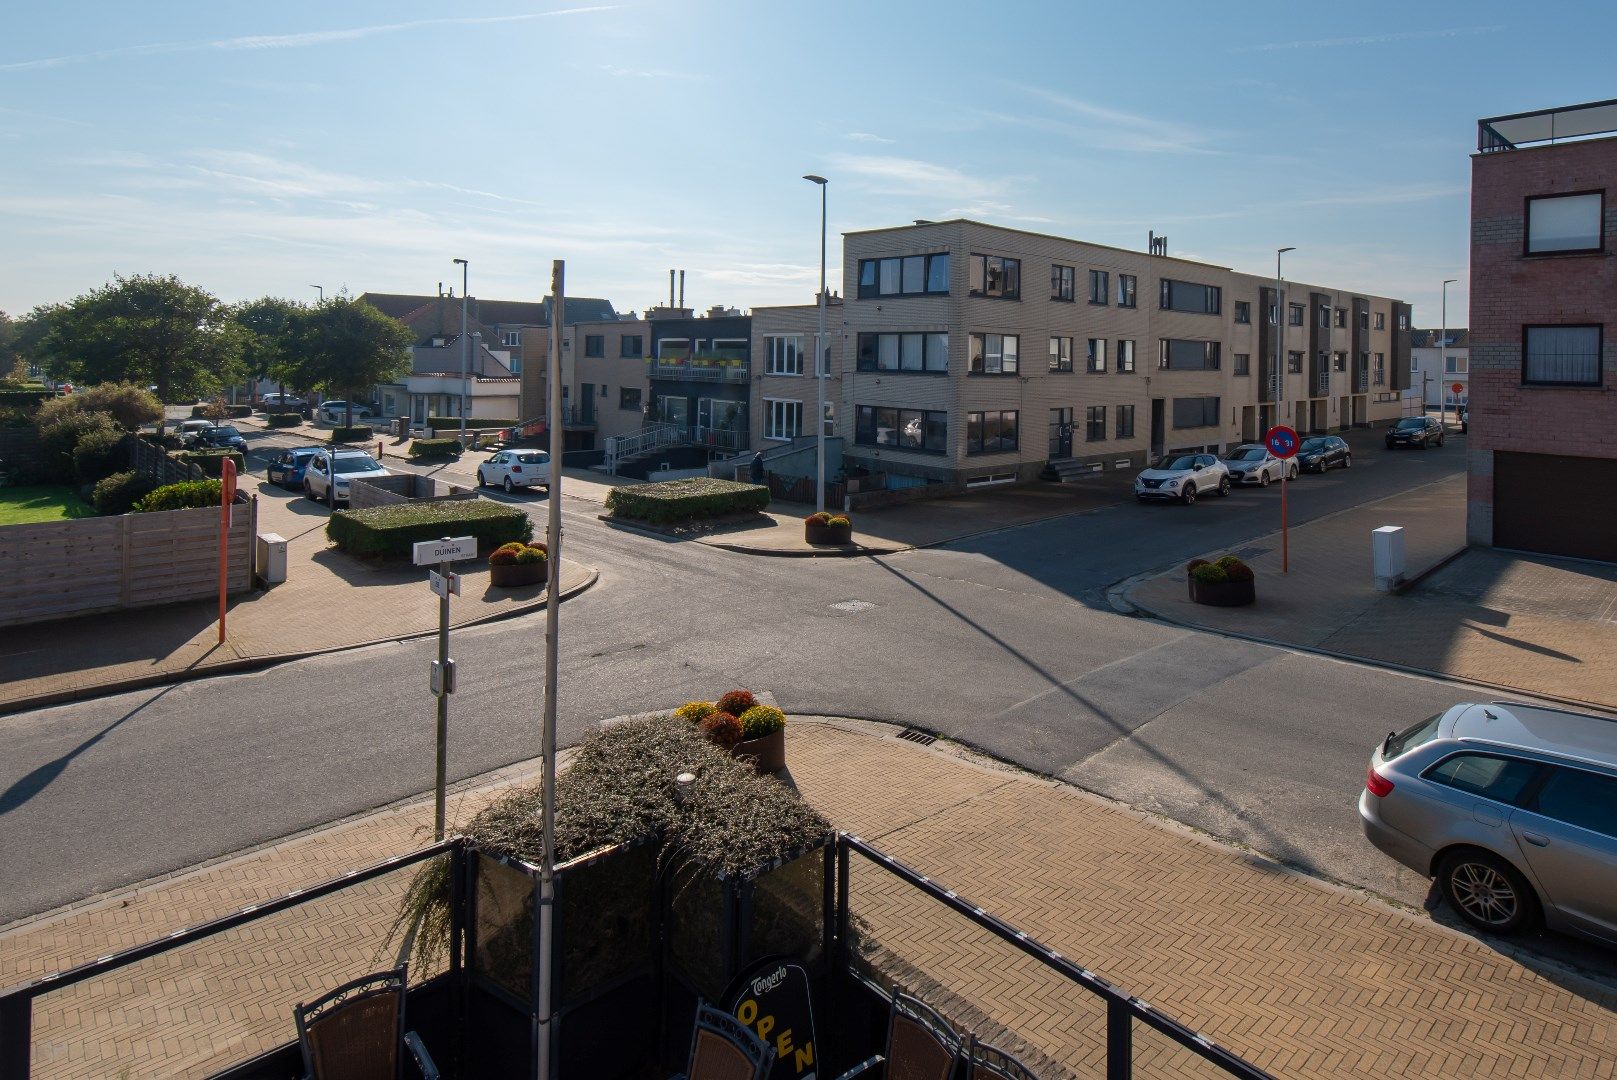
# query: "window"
729 348
630 346
1125 421
1188 296
1455 365
1243 364
783 354
1294 315
1403 320
901 429
782 419
1584 799
994 354
512 338
1341 318
1100 284
1325 318
1494 777
1381 320
1193 412
1324 381
1095 423
1125 290
1564 224
1061 354
1125 355
830 419
904 352
1062 280
825 358
997 277
1097 355
909 275
1561 355
1364 319
991 432
1381 369
673 348
1243 311
1294 363
629 397
1339 361
1177 354
594 345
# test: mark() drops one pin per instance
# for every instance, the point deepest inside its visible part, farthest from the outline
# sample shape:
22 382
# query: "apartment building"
1438 362
785 384
978 354
604 376
1542 451
700 374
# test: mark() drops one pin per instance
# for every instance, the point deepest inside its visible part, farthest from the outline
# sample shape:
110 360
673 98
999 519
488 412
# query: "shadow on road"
37 780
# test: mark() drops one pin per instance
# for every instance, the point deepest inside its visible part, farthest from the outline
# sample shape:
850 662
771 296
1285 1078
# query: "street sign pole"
227 495
1283 442
443 553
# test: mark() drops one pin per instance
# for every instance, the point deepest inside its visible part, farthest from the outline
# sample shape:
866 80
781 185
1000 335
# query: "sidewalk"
1302 978
1546 627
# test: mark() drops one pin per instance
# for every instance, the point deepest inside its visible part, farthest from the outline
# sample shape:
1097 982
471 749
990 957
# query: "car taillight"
1378 785
516 468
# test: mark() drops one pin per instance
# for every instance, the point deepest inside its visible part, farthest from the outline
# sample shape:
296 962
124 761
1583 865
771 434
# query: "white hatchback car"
511 469
327 476
1253 463
1182 477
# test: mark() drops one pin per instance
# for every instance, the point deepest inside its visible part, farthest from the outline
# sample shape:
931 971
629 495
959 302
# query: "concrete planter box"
827 535
768 753
1223 593
516 575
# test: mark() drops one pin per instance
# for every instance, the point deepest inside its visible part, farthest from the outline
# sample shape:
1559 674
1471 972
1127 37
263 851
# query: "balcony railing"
1324 382
723 438
700 370
1363 381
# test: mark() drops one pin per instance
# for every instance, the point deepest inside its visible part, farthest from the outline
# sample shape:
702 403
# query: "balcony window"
992 432
1191 297
594 345
1100 283
1243 311
994 354
1125 356
997 277
1125 422
1566 224
908 275
1062 280
1177 354
631 347
783 420
1126 284
1095 423
1561 355
729 349
674 348
783 354
913 352
901 429
1096 356
1061 354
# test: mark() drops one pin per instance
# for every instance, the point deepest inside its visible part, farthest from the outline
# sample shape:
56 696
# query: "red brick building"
1543 393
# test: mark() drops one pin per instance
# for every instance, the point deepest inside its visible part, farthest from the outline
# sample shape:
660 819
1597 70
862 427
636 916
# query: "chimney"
440 290
682 288
670 287
1158 245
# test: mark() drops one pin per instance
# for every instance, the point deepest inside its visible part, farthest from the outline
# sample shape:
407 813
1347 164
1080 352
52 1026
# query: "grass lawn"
41 502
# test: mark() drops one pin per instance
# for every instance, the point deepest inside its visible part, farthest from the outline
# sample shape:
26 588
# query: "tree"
347 344
270 345
147 330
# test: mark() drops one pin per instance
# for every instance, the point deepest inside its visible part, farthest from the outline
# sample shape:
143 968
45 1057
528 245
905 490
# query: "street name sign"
449 549
444 585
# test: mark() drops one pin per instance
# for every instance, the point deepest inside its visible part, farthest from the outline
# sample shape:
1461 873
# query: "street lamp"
1280 335
819 357
465 347
322 289
1443 351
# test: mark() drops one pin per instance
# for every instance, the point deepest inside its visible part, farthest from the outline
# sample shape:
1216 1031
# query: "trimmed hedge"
357 433
471 422
391 530
283 419
434 448
186 495
118 493
233 412
27 400
675 501
211 462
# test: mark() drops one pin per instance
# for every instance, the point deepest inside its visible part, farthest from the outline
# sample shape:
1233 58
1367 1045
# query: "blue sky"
259 149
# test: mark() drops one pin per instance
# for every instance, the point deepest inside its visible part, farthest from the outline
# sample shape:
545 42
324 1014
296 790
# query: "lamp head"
1282 251
816 179
1450 281
461 262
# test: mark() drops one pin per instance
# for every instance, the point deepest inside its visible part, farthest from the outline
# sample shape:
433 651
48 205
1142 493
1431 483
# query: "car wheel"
308 492
1440 441
1263 478
1347 462
1188 495
1294 472
508 485
480 481
1487 892
1223 486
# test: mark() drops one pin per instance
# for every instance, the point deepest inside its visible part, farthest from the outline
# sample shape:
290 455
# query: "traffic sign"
444 585
1458 388
448 549
1282 441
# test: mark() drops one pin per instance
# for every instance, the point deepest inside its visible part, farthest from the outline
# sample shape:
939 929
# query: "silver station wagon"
1511 807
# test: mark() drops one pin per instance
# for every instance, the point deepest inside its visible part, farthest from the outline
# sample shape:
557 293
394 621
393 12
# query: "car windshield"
533 459
1248 453
1411 423
355 463
1310 445
226 432
1176 462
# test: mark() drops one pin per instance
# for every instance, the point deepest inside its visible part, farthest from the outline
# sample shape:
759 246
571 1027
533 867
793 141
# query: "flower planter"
1223 593
827 535
768 753
515 575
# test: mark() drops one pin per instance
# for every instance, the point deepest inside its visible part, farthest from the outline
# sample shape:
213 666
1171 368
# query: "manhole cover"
853 605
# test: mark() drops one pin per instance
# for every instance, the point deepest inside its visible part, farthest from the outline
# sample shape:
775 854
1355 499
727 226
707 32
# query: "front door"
1158 427
1060 434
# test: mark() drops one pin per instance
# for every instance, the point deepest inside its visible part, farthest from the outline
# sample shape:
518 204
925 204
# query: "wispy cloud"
917 179
1388 196
866 137
1370 39
617 71
291 41
1107 128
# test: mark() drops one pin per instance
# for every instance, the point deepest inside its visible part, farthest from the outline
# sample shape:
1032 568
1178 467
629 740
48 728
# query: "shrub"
722 729
283 419
821 518
391 530
130 406
28 401
61 435
1228 561
1210 574
357 433
118 493
239 412
1190 567
736 702
506 554
761 720
685 500
430 448
1239 572
99 454
694 712
212 462
840 522
444 423
186 495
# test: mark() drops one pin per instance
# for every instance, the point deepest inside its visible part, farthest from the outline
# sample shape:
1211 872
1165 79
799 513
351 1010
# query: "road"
1004 642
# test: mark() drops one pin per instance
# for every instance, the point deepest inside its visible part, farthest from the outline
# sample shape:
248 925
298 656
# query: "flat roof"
1497 133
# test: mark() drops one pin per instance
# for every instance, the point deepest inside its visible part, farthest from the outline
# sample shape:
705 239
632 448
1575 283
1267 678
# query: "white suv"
329 472
1181 477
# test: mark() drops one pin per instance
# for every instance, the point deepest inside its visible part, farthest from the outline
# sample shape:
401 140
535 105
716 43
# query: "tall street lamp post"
1280 337
819 358
1443 351
465 347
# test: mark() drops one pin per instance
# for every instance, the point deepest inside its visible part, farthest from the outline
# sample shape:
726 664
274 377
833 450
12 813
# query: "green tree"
348 345
148 330
271 329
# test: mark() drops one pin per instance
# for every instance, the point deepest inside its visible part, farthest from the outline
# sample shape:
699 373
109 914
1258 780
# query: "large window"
1294 363
1095 423
908 275
729 348
1339 361
1243 311
1455 365
673 348
1294 315
1381 320
991 432
1178 354
1126 284
629 397
994 354
1561 355
1100 283
1062 282
1563 224
782 419
1194 412
904 352
1096 355
783 354
1341 318
511 338
1325 317
1125 355
1061 354
1189 296
594 345
992 275
631 346
1381 369
901 429
1243 364
1125 421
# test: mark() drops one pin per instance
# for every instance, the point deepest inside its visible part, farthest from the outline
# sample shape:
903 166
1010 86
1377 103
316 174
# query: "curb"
854 551
257 663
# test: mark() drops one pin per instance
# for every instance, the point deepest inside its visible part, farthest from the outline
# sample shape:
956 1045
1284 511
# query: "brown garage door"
1555 505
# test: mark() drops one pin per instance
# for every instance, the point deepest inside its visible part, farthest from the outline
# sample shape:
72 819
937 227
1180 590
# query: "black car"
1421 431
1324 452
225 437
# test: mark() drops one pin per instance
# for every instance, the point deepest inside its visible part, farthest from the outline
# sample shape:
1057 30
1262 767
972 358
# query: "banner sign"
772 998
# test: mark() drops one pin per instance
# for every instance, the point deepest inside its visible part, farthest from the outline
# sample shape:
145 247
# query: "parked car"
327 476
221 437
1421 431
1324 452
336 411
1252 463
190 429
281 401
515 468
1511 807
1182 477
287 467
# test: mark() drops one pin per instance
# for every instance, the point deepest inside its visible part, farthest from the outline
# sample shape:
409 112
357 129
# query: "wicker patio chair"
921 1044
723 1048
356 1032
991 1063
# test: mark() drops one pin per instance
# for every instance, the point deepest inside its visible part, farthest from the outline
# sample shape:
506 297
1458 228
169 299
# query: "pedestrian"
756 469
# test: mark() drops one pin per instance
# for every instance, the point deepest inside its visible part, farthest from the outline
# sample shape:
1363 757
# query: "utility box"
270 560
1387 556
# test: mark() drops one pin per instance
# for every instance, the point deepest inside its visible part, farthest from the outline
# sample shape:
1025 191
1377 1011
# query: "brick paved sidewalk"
1302 978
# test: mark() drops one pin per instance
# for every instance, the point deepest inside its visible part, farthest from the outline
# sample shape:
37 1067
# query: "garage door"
1555 505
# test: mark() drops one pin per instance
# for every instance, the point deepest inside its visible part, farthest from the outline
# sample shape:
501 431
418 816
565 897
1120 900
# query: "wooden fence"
154 463
59 569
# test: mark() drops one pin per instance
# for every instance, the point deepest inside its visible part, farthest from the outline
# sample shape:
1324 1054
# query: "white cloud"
1106 128
1387 197
1371 39
916 179
866 137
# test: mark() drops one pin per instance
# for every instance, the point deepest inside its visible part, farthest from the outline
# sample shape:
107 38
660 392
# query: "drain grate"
915 735
852 605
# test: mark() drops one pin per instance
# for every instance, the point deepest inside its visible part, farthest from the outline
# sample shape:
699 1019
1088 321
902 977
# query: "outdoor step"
1066 470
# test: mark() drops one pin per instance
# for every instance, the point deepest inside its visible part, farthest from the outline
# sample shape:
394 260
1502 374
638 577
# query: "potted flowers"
741 725
1229 582
827 529
516 564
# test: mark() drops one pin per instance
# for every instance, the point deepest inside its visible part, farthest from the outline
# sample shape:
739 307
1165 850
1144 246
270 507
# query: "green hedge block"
434 448
186 495
118 493
283 419
239 412
211 462
445 422
391 530
685 500
357 433
26 400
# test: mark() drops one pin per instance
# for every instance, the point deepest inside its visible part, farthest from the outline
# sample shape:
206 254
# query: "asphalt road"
1003 641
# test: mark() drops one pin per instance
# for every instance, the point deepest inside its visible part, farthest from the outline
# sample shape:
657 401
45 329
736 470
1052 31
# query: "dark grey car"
1511 807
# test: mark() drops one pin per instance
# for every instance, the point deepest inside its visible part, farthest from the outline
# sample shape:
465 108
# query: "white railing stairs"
624 448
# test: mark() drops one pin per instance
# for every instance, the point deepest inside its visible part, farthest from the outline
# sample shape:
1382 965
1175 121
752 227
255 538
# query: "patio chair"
991 1063
921 1044
723 1048
356 1032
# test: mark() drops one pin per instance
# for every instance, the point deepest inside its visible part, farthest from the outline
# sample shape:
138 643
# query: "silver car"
1511 807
